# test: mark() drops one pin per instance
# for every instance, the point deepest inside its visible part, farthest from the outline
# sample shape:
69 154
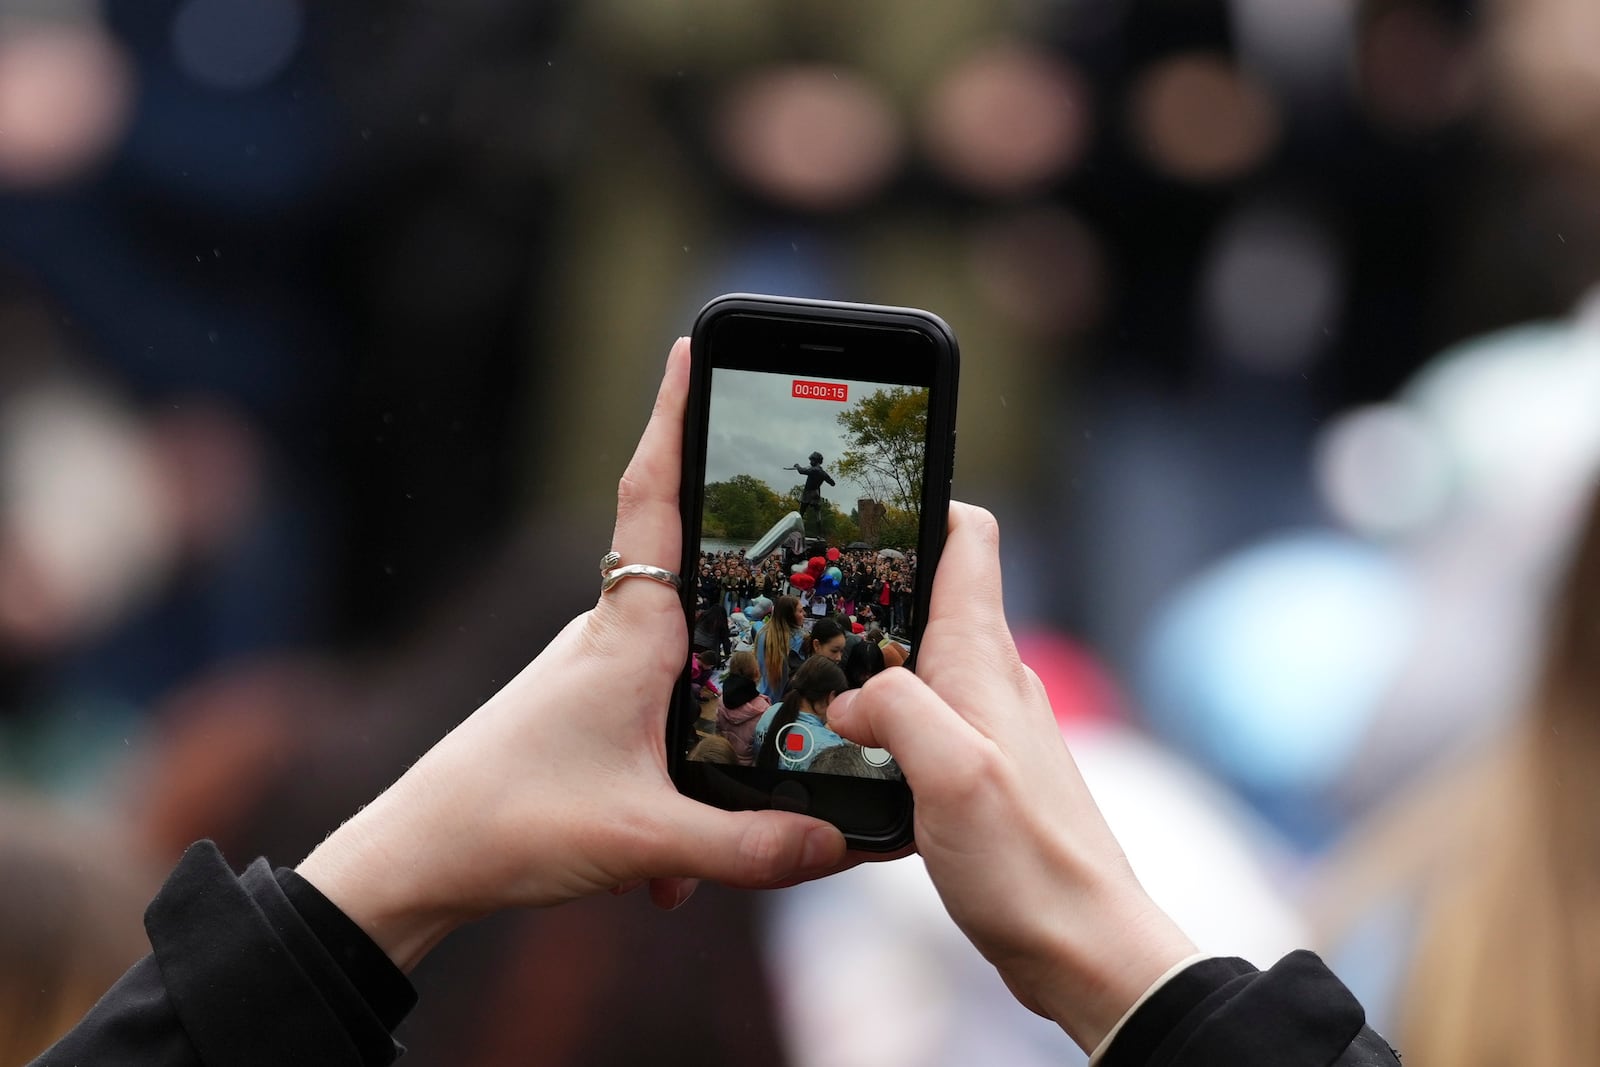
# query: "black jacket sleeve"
1225 1013
255 969
261 969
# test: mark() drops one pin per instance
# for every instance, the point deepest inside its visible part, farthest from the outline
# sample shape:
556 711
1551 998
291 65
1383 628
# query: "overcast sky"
757 428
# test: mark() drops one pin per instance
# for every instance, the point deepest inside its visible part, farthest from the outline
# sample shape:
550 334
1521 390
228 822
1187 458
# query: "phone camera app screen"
807 565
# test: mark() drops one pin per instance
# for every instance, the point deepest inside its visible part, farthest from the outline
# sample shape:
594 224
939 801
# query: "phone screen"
818 447
810 526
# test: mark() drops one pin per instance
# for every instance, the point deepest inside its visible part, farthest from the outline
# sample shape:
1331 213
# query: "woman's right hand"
1020 854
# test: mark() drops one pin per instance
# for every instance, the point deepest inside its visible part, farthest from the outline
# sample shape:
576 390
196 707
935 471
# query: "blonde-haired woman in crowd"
780 636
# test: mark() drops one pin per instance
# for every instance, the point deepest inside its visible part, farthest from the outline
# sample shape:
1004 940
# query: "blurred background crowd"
326 330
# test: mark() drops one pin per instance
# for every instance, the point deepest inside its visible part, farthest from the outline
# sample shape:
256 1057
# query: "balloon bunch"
816 574
828 584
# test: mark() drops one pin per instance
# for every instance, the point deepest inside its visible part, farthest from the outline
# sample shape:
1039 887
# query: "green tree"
886 436
898 529
743 507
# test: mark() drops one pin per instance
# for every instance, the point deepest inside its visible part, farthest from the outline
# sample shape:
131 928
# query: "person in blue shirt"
790 734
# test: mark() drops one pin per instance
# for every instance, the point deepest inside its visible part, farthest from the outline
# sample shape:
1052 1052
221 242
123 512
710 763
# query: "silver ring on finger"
612 571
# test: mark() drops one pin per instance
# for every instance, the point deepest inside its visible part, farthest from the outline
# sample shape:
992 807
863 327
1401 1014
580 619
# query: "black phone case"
874 815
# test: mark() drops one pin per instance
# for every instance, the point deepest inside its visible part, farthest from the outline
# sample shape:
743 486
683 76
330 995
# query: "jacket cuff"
250 981
1224 1011
382 985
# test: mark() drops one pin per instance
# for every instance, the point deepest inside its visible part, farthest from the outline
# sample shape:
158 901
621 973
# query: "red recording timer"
801 389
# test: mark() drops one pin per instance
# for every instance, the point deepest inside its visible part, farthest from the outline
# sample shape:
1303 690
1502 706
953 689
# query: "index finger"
649 526
967 587
967 646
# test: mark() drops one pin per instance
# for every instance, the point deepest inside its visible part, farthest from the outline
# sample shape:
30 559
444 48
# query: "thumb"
747 849
896 710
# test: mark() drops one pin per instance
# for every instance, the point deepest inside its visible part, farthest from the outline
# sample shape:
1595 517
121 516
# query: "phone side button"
952 453
791 796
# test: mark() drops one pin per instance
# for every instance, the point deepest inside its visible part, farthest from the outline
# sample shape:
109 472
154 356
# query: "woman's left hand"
557 787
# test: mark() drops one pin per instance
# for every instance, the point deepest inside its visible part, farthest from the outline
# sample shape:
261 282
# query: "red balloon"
803 581
817 565
833 555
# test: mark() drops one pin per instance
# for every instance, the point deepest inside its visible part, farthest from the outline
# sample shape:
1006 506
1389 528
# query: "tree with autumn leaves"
886 438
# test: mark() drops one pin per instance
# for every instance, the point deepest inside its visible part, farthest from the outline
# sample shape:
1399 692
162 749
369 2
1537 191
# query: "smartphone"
819 442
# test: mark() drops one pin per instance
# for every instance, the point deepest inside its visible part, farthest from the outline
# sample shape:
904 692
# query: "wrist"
382 887
1105 961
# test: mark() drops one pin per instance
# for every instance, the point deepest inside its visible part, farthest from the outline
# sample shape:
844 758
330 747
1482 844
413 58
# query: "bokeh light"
1546 82
86 525
1007 119
1041 268
1381 470
1418 72
1303 47
236 44
65 95
1200 118
1514 412
1272 288
818 138
1268 666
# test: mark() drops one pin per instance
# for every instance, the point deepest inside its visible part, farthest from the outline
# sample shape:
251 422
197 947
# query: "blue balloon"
1269 666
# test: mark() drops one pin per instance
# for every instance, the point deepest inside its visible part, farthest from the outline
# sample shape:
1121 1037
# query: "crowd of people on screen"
868 585
765 668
